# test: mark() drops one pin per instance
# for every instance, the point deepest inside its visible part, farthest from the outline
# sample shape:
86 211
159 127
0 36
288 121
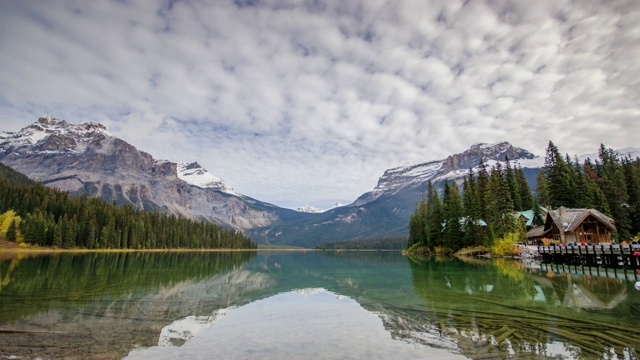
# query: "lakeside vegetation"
39 216
486 212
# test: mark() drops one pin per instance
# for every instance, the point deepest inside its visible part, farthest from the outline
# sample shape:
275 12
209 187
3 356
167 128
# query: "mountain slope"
385 211
86 158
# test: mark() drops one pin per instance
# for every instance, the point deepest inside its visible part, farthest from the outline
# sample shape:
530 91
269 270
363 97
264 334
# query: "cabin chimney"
562 213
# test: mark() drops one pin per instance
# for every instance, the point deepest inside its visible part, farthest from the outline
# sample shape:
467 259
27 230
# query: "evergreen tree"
453 212
435 219
499 204
559 178
632 179
593 184
12 231
542 190
514 190
417 224
472 212
57 234
526 198
584 198
69 233
482 189
615 190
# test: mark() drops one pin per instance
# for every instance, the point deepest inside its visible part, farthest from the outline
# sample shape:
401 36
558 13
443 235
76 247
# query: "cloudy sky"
308 102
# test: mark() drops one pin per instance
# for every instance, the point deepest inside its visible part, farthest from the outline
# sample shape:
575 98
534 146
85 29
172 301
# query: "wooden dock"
604 255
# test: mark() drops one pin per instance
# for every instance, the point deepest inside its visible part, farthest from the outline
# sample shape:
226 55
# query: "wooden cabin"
578 225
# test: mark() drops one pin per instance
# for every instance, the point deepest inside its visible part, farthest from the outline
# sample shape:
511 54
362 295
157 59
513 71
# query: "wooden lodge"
578 225
583 236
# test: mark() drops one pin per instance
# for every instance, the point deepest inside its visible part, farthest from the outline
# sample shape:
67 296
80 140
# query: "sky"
308 102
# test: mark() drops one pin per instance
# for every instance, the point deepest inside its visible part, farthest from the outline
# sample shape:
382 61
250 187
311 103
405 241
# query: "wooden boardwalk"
604 254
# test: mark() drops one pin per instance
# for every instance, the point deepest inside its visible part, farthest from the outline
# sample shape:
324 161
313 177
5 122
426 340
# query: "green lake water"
312 305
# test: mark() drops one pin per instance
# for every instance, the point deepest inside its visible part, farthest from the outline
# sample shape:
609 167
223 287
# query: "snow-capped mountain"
86 158
196 175
453 167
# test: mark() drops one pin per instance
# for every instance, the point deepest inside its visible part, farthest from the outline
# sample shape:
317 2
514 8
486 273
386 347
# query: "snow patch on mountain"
453 167
68 137
309 209
194 174
315 210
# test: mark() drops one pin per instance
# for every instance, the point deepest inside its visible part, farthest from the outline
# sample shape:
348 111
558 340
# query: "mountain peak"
194 174
454 166
51 134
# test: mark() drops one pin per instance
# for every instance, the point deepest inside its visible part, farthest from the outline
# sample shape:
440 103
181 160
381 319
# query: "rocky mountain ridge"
86 158
454 166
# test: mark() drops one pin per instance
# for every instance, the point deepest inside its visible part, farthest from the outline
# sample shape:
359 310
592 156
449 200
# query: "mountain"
309 209
385 211
86 158
395 180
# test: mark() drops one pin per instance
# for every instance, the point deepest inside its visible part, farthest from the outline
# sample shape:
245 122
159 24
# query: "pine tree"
526 197
69 234
615 190
632 179
584 198
559 178
482 189
57 234
542 190
435 218
499 204
417 224
514 190
473 231
453 212
593 186
12 231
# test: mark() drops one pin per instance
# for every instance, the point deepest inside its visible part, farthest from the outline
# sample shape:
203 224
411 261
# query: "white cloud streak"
308 102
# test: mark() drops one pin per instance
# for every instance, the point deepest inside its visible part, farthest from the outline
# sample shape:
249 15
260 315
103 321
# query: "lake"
312 305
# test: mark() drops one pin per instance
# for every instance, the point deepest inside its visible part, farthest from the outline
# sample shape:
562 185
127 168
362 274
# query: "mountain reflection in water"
164 304
304 324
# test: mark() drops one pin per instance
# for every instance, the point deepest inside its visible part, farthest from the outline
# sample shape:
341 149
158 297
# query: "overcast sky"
308 102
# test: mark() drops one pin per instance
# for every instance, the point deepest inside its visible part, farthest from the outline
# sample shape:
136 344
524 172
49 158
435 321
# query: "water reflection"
501 309
105 305
100 305
303 324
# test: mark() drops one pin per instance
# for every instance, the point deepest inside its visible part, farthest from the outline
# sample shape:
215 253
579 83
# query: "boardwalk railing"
604 254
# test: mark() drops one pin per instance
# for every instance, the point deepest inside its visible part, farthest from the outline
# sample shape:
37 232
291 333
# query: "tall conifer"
453 212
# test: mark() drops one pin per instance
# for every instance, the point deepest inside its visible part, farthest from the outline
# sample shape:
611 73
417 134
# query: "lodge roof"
537 231
528 215
568 220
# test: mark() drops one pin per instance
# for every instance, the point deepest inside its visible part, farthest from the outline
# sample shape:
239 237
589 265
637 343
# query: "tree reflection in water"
499 310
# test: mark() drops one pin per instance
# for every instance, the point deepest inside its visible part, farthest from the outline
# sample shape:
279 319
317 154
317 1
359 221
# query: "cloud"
309 102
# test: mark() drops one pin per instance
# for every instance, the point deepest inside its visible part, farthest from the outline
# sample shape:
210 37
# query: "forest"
42 216
485 211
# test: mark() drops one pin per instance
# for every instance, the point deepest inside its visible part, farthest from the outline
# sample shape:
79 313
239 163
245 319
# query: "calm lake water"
311 305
